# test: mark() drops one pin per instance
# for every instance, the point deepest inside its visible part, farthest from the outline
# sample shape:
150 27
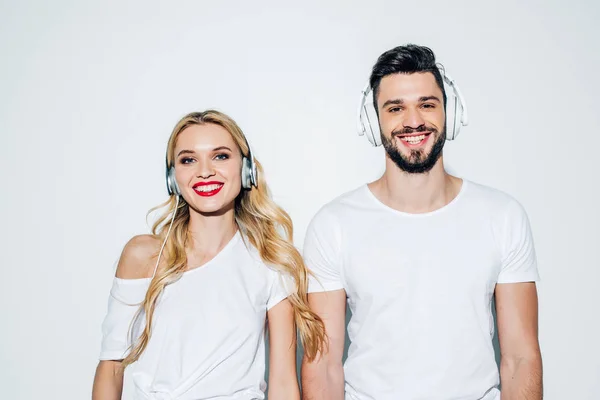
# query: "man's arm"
521 360
323 378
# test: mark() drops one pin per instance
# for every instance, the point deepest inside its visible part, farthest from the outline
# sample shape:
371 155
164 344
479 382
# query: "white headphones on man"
249 174
456 111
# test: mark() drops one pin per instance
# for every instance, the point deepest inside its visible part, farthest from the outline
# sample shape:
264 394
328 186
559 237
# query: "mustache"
409 130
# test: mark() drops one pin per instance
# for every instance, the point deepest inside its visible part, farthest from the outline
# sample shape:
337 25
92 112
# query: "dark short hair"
406 59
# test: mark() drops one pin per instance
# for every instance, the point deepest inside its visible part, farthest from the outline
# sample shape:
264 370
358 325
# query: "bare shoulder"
138 257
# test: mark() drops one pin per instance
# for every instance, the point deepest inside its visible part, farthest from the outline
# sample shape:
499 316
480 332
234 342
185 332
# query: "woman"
189 304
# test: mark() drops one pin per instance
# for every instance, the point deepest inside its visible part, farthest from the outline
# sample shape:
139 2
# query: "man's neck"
416 193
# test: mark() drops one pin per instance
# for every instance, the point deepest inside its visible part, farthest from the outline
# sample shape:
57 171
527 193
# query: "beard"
417 162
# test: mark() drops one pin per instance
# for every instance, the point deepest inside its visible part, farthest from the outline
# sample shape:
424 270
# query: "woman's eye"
186 160
222 156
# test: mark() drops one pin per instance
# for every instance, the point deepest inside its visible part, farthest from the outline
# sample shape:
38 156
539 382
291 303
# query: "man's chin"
411 163
414 157
415 168
417 159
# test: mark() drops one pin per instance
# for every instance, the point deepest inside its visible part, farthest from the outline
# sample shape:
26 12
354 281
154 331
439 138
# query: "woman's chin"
212 208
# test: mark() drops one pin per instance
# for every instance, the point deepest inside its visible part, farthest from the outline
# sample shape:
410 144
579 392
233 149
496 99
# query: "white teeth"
208 188
413 139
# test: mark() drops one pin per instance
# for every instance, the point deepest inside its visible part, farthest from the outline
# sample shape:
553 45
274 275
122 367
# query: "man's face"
412 120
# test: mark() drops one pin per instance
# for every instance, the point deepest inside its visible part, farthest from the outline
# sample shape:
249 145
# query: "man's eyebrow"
427 98
399 102
392 101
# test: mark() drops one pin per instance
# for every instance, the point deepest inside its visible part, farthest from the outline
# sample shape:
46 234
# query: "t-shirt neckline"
442 209
232 242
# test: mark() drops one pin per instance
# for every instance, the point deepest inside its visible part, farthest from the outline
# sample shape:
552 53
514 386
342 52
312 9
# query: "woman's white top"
208 334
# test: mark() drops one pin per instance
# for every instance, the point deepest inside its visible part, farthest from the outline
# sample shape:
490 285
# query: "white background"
90 92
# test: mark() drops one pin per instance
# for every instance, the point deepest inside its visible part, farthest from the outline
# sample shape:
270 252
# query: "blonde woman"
189 304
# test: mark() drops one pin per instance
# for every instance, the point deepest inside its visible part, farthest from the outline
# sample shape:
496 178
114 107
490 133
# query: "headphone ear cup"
253 173
451 104
456 109
457 119
370 122
172 186
246 174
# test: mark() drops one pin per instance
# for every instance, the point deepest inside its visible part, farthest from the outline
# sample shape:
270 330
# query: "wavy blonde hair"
267 226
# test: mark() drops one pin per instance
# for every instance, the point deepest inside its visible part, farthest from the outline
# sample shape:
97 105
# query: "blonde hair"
267 226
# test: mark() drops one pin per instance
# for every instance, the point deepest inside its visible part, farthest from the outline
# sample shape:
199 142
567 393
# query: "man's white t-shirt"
208 333
420 288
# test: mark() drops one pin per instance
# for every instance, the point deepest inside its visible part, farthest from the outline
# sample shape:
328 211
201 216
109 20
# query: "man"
419 255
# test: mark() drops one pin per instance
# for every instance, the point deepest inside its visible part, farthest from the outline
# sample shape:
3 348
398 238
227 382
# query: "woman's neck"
209 233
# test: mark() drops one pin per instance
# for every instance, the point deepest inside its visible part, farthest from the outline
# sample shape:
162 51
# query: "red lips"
201 188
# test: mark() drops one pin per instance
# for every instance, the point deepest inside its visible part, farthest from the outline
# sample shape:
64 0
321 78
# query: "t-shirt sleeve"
125 298
322 253
519 262
281 287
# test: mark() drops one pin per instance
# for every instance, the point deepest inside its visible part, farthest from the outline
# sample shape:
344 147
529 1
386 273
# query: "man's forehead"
415 84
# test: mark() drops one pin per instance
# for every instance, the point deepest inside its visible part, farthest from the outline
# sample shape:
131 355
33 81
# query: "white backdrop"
90 92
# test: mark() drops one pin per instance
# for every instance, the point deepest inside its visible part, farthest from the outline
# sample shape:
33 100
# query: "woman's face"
208 167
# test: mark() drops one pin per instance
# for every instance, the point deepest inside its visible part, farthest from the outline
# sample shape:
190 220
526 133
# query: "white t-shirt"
208 334
420 288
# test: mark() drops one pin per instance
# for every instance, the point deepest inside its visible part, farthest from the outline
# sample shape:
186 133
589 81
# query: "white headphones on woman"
249 173
456 111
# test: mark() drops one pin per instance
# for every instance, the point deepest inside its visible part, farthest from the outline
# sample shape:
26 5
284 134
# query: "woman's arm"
108 382
283 381
136 261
